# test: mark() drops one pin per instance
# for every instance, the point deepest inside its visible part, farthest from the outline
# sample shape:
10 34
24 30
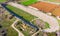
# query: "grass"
59 22
7 24
28 2
52 34
2 1
11 32
22 13
46 24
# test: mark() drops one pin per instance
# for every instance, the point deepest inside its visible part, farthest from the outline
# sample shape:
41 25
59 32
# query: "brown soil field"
56 12
44 6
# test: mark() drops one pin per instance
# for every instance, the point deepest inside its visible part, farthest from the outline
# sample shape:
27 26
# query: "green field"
6 23
21 13
2 1
28 2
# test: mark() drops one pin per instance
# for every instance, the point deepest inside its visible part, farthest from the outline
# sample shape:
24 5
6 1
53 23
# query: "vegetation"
11 32
58 1
59 22
25 15
1 1
46 25
21 13
52 34
28 2
6 23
